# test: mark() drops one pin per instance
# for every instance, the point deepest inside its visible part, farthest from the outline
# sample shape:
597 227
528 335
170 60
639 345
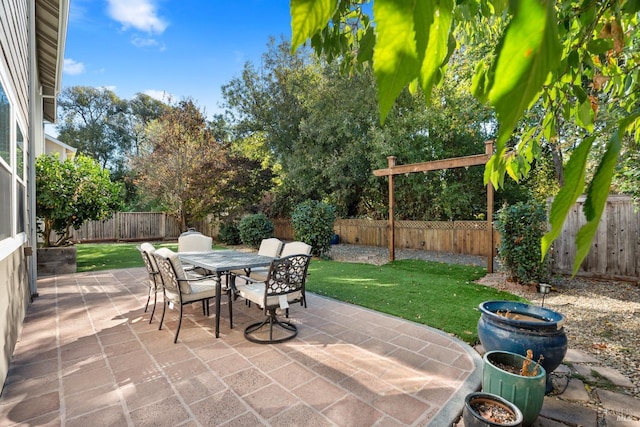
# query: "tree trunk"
556 154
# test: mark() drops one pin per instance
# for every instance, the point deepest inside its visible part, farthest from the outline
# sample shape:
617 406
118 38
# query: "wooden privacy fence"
461 237
615 250
614 254
137 226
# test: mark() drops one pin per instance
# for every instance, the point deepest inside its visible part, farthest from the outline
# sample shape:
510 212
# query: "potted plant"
489 410
68 194
518 327
518 379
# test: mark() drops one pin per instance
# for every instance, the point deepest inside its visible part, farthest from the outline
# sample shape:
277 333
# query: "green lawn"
107 256
436 294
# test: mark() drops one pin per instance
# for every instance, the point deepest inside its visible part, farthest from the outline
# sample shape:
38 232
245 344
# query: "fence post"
116 226
163 226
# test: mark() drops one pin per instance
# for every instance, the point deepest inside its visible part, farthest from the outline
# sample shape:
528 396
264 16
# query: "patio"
88 356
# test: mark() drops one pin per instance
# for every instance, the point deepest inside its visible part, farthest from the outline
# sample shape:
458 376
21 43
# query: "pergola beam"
456 162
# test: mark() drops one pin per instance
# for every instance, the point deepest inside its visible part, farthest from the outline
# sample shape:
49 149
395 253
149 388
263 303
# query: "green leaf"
437 49
598 46
367 42
597 198
479 82
395 57
599 190
308 17
568 194
529 50
585 115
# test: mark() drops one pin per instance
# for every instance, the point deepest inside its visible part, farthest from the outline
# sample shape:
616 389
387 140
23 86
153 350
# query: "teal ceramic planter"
527 393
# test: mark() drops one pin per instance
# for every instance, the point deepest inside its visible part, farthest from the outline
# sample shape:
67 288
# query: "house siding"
14 279
14 22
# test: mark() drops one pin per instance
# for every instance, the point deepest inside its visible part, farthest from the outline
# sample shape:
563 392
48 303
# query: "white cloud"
143 42
138 14
160 95
72 67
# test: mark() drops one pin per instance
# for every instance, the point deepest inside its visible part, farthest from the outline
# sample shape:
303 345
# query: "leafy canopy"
70 193
572 58
182 164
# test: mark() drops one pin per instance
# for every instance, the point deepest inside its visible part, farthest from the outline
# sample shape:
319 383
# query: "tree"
70 193
326 149
192 173
573 59
95 121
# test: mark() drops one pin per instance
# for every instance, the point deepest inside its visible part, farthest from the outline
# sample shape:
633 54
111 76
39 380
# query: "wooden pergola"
456 162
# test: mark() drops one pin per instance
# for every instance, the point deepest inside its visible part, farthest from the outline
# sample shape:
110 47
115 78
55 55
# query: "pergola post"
490 242
392 225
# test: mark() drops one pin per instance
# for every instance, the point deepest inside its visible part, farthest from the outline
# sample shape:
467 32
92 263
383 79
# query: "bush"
521 227
312 223
229 234
70 193
253 228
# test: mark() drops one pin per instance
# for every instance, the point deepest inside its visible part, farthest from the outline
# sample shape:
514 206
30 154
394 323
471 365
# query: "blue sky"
183 48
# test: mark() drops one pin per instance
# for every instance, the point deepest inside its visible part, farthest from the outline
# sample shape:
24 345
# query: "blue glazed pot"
540 330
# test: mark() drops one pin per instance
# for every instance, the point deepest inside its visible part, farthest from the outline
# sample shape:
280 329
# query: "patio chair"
180 287
284 285
295 248
155 281
270 247
194 241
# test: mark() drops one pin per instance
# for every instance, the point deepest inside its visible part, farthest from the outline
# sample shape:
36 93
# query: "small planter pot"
494 408
526 392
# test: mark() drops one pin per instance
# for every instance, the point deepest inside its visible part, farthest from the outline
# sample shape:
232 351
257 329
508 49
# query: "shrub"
253 228
312 223
229 234
521 227
70 193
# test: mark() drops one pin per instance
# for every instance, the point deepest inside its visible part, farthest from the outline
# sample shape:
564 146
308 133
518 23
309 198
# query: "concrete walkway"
87 355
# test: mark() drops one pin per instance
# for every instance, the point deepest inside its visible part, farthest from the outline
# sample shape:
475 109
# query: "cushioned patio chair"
194 242
180 287
155 281
295 248
284 285
270 247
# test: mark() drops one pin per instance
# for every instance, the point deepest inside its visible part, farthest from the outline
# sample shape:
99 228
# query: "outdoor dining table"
220 262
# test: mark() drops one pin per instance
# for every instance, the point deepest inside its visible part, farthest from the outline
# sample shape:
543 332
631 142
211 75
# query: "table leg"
218 292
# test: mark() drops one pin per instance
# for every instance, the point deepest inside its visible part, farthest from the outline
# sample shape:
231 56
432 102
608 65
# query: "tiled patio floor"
88 356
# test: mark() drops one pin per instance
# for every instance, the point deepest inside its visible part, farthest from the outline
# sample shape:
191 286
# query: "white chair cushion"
201 289
177 265
194 243
150 250
295 248
270 247
254 292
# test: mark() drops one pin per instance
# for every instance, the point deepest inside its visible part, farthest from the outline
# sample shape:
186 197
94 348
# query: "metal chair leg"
155 300
175 340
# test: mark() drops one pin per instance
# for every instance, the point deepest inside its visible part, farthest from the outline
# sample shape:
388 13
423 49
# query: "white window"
6 176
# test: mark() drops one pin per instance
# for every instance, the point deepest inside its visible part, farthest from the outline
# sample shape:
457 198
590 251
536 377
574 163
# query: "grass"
440 295
101 256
